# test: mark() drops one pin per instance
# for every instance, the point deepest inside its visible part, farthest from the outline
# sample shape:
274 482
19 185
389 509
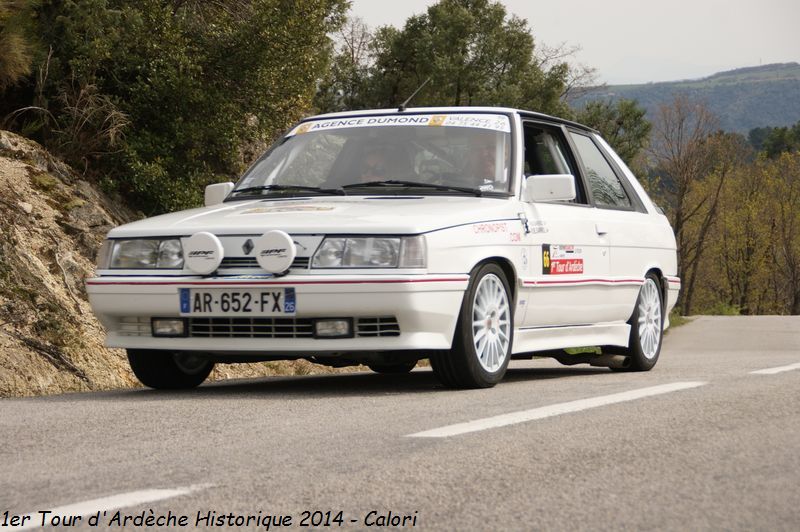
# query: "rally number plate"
237 302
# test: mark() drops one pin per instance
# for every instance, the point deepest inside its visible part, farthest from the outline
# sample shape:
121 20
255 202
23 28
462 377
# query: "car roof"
417 110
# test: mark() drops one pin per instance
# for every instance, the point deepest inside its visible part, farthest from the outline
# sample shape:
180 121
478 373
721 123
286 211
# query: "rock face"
51 224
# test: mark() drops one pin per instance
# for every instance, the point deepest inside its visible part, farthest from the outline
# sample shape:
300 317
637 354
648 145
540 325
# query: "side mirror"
217 192
550 187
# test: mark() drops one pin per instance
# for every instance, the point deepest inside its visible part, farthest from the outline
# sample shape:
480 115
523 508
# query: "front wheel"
484 335
647 327
169 370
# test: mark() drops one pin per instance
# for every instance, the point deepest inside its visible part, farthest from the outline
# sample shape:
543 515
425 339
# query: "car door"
621 218
568 255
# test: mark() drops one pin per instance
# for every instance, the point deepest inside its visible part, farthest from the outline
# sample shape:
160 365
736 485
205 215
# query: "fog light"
168 327
335 328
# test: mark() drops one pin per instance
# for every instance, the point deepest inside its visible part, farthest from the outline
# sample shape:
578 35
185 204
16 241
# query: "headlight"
146 253
370 252
170 254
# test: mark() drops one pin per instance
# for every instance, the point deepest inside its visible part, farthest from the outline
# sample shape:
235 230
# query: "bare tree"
694 164
581 78
353 41
345 85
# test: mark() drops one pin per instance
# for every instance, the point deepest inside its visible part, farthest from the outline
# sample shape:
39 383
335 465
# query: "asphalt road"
698 443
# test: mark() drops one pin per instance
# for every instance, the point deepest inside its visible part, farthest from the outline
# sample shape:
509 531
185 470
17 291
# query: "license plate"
239 302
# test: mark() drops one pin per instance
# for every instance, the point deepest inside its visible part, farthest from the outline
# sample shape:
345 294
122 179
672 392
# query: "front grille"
251 328
282 327
252 263
134 326
377 327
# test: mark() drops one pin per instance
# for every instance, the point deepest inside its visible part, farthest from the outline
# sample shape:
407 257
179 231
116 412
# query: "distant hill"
743 99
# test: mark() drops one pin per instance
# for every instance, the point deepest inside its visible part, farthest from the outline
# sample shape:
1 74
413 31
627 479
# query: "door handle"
601 229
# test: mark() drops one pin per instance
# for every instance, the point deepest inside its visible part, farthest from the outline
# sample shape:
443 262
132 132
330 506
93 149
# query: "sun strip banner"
480 121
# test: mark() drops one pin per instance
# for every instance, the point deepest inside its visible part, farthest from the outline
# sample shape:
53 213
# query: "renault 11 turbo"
466 236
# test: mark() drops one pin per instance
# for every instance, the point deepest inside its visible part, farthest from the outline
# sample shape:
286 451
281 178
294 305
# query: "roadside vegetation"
153 99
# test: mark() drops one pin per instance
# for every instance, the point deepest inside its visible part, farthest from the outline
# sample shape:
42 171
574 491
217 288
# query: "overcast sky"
636 41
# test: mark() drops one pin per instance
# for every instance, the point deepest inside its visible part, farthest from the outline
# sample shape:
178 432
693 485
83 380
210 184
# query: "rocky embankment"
51 224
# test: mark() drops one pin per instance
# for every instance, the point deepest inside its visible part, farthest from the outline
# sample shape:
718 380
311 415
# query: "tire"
484 333
647 327
399 368
168 370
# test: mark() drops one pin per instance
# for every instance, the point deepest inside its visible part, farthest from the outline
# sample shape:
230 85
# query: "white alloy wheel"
484 335
491 323
650 320
647 328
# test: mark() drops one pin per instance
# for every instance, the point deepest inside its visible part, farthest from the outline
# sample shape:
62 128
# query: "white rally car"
468 236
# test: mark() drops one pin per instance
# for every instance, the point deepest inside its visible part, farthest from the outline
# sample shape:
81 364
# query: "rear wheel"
647 327
169 370
393 369
484 335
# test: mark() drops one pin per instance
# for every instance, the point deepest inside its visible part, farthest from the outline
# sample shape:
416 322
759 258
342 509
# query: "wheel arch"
510 272
662 285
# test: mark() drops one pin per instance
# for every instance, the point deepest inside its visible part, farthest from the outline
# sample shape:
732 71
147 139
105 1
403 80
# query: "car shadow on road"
363 384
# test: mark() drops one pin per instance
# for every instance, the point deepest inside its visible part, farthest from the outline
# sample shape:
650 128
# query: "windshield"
454 153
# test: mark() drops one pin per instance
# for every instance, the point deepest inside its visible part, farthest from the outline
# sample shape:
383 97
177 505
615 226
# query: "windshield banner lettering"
480 121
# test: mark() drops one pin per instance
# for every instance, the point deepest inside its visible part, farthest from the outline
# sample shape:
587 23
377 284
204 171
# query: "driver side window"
546 152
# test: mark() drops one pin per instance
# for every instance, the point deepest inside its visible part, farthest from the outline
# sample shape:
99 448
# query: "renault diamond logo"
247 247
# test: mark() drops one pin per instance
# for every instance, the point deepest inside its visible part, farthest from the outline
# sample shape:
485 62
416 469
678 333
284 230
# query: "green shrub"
159 98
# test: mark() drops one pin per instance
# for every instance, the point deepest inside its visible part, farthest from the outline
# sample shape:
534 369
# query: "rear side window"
605 186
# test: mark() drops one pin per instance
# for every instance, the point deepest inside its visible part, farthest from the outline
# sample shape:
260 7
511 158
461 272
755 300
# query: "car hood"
364 215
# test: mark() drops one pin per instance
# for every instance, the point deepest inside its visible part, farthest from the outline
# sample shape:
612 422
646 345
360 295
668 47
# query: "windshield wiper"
415 184
303 188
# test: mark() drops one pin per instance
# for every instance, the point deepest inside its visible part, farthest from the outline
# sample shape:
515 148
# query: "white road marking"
113 502
552 410
773 371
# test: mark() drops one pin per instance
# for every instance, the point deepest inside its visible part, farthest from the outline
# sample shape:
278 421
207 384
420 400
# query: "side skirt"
545 338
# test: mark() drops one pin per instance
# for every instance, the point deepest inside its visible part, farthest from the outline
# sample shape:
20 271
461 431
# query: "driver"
373 166
384 162
481 159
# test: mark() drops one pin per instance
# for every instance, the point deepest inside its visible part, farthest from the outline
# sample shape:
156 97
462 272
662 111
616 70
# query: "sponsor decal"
288 208
566 266
538 227
565 251
302 128
561 260
493 227
281 252
202 253
480 121
524 220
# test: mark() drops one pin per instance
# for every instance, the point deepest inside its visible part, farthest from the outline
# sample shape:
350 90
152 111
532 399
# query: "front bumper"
426 308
